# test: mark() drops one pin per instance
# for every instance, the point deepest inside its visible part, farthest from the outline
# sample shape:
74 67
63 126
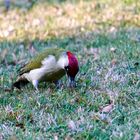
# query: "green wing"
36 62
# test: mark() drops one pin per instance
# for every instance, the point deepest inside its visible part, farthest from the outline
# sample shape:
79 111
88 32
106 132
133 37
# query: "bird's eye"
67 68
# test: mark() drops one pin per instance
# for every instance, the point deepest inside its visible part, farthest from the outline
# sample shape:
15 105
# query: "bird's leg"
45 84
72 82
35 84
57 83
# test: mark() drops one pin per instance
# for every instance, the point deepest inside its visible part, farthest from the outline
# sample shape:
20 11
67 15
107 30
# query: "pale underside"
51 70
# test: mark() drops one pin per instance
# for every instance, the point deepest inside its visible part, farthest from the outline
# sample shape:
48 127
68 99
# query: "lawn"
105 36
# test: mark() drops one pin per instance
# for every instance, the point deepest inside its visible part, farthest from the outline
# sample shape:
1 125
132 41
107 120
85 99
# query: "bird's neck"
63 61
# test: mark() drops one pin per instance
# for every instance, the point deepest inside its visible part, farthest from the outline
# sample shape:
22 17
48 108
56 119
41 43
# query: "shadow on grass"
11 51
92 49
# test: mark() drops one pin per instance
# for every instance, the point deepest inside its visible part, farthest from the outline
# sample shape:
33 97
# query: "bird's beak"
72 82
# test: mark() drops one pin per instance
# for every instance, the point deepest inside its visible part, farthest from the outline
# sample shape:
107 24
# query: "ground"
105 36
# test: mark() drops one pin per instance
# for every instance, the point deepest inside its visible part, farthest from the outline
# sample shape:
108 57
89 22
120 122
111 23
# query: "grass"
106 102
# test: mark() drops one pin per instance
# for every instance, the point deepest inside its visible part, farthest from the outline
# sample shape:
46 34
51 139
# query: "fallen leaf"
114 62
55 137
6 33
112 30
102 117
112 49
13 138
68 138
36 22
1 137
107 108
71 125
137 136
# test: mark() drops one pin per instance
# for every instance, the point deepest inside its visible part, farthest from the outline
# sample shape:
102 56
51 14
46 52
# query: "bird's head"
72 68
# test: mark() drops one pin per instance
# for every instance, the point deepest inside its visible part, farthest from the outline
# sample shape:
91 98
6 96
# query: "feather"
37 61
21 81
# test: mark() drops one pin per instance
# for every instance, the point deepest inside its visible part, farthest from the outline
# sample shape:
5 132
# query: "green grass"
109 57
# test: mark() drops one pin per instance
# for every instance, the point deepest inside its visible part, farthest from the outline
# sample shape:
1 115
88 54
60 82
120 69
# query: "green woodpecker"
48 66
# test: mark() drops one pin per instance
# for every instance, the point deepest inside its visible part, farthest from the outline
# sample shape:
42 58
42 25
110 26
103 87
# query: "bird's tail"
20 82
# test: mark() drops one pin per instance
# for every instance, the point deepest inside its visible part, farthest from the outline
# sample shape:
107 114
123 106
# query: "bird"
48 66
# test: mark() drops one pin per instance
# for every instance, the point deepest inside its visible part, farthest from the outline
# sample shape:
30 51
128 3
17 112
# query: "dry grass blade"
3 54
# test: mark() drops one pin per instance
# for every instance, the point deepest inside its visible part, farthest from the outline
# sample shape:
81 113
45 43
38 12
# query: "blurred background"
44 19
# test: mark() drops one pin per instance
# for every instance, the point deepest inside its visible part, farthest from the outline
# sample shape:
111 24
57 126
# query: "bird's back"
36 62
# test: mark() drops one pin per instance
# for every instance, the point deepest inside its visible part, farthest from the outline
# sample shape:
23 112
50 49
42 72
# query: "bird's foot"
35 84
